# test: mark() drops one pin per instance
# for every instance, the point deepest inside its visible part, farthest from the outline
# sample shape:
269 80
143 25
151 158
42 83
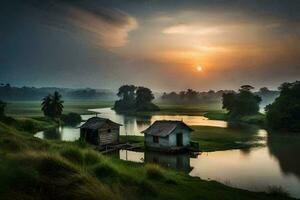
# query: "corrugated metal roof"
163 128
96 123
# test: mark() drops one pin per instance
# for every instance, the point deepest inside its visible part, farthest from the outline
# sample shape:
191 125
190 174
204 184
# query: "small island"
135 99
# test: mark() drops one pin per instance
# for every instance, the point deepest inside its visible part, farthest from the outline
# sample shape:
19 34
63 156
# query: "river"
275 164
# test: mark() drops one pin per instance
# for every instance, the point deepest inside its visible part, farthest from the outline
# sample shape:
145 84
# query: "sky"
166 45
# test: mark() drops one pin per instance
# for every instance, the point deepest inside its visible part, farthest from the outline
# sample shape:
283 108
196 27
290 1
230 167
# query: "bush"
153 171
71 119
72 154
104 170
91 158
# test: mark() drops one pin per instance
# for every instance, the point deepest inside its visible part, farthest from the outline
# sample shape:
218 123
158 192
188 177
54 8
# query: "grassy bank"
33 108
31 168
258 119
215 138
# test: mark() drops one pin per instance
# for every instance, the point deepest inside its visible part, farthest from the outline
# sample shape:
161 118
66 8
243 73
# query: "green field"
33 108
31 168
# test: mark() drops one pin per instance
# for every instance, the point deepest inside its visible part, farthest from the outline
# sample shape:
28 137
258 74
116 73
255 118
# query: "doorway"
179 139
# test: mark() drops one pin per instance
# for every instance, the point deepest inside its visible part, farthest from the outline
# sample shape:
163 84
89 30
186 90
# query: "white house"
164 135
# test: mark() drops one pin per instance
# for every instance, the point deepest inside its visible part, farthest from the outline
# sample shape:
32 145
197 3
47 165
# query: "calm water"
131 125
256 169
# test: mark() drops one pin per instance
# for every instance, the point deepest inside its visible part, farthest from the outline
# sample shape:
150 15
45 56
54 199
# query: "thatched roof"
97 122
164 128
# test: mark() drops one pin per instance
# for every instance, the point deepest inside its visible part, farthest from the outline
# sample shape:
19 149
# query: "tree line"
191 96
13 93
282 114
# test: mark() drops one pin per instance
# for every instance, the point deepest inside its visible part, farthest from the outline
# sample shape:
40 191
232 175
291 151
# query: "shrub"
104 170
153 171
72 154
91 158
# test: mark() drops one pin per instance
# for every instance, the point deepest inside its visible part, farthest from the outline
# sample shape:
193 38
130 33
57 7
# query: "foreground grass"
31 168
33 108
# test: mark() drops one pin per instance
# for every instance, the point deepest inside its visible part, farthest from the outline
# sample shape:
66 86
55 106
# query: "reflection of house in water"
176 161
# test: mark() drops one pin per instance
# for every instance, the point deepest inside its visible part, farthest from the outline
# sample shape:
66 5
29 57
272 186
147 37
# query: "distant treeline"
11 93
191 96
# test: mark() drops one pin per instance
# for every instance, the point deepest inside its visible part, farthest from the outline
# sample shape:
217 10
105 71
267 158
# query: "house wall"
169 141
106 137
185 137
163 142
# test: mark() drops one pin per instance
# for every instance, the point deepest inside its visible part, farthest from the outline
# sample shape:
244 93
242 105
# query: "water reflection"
65 133
133 125
177 161
256 170
286 148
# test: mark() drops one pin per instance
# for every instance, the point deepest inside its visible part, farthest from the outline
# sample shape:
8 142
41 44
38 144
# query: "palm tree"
46 105
52 105
57 104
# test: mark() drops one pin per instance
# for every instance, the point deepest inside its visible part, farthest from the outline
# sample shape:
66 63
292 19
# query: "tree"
242 103
284 112
143 95
246 88
52 105
57 105
2 108
47 105
134 98
127 93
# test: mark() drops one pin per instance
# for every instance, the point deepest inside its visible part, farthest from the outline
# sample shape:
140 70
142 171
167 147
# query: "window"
155 139
109 130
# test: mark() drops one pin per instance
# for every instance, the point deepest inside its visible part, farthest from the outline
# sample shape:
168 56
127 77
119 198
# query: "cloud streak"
109 27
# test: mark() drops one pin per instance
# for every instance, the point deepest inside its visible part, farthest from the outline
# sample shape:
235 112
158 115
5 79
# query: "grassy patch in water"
216 138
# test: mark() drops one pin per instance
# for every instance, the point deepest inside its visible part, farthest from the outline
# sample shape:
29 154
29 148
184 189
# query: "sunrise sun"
199 68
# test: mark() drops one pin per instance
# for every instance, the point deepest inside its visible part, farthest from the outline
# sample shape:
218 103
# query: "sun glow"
199 68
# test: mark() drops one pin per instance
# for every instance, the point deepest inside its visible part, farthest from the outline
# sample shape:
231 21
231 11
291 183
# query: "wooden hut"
170 136
100 131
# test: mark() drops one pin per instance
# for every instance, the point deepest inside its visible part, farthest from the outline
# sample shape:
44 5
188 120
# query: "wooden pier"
111 148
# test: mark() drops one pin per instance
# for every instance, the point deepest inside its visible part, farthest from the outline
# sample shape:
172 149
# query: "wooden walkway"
112 148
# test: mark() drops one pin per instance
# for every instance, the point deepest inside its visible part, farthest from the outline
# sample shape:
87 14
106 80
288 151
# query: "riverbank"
258 119
31 168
